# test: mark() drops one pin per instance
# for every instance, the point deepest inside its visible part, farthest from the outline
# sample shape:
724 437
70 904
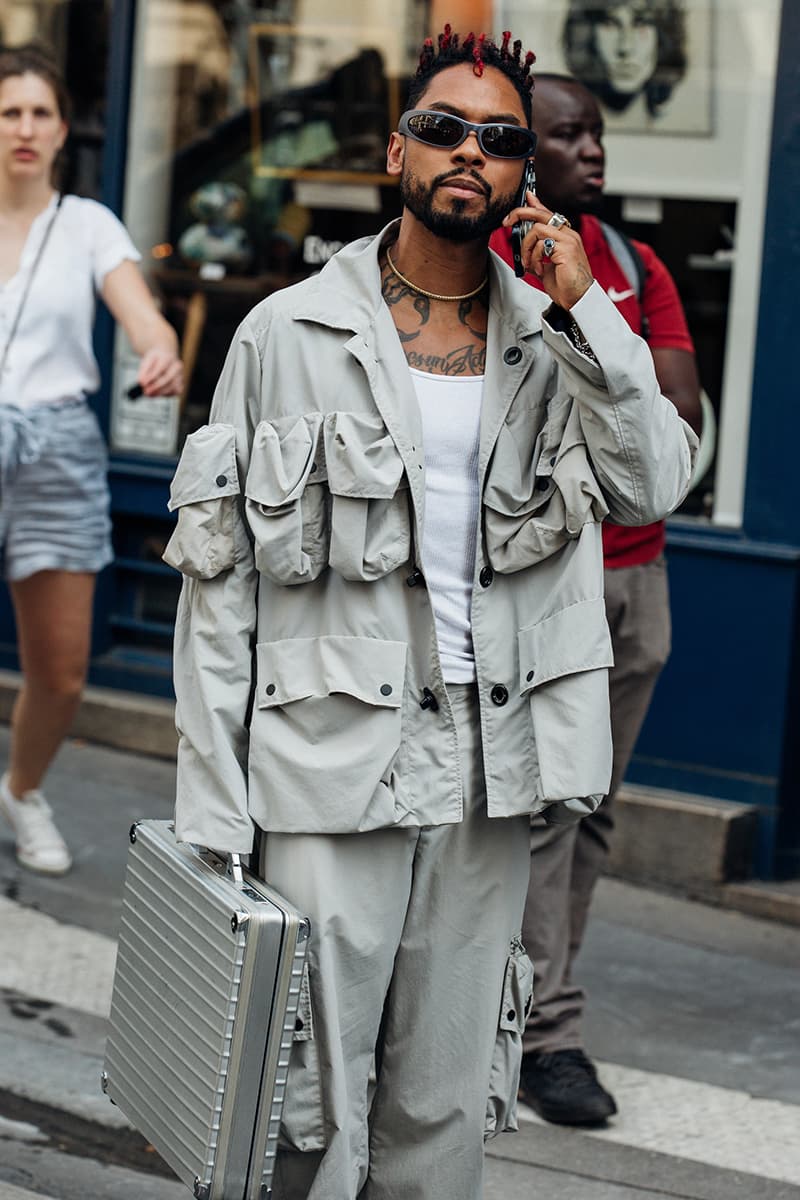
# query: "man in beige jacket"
391 645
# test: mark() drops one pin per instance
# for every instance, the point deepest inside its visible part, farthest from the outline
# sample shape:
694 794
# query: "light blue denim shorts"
54 500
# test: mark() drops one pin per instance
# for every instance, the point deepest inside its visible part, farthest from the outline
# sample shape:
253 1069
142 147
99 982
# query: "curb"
123 720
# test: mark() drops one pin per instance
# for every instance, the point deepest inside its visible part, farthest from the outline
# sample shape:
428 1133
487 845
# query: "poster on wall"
648 62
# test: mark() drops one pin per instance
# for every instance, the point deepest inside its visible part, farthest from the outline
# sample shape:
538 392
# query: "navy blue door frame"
726 713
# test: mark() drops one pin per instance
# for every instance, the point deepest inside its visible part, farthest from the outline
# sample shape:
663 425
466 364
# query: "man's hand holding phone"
564 271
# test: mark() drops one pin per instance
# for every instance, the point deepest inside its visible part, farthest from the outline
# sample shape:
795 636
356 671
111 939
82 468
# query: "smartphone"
521 228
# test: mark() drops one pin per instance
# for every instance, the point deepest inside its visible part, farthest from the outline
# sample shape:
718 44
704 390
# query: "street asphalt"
693 1017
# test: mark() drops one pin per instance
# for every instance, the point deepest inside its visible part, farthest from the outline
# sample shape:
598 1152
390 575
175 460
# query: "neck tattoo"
433 295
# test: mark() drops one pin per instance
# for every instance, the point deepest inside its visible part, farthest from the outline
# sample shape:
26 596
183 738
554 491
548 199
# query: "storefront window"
257 147
686 90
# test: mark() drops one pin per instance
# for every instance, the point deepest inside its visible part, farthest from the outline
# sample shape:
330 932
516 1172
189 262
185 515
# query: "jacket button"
499 695
512 355
270 689
386 689
486 576
415 578
221 480
529 676
429 700
542 484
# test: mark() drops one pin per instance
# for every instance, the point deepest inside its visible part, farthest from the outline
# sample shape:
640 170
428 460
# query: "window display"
257 137
686 90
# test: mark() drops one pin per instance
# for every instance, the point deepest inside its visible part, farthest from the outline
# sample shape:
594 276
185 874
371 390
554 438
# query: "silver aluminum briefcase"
206 989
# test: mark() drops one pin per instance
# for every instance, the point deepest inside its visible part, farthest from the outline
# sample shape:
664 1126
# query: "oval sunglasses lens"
436 130
504 141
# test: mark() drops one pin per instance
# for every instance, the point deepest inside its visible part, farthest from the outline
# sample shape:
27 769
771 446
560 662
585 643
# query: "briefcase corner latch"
202 1190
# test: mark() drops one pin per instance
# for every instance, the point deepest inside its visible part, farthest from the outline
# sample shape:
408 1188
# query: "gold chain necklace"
432 295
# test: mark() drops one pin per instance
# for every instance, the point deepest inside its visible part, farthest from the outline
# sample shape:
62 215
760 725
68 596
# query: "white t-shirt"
51 356
451 421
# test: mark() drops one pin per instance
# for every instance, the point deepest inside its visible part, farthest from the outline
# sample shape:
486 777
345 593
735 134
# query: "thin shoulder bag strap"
28 282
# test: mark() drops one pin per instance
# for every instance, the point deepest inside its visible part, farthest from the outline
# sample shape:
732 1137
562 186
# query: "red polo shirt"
625 545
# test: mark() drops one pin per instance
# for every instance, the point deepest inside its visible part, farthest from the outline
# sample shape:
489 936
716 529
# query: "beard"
455 225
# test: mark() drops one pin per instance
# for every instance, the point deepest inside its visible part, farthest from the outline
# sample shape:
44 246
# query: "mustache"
463 173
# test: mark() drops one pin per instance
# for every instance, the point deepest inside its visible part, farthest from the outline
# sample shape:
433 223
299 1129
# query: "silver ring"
557 220
548 246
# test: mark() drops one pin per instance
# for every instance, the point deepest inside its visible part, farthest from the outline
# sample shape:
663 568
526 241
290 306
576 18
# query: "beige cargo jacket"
310 696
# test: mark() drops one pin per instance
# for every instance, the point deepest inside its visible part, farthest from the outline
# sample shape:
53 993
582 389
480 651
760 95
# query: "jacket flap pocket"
511 480
369 669
207 467
285 454
572 640
362 460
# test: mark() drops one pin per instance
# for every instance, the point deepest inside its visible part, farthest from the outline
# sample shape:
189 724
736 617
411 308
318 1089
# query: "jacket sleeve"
216 621
640 449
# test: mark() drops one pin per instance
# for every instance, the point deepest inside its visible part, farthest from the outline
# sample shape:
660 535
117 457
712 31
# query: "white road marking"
21 1131
699 1121
62 963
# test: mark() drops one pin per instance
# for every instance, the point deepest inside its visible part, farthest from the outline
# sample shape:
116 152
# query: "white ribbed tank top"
451 419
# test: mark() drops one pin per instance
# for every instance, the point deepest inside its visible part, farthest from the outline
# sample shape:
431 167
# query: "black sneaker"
563 1087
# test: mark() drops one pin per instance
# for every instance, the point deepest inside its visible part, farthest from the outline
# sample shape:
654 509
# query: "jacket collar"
346 294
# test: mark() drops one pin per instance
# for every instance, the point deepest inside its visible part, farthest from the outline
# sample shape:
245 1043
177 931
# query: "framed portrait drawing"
682 85
648 62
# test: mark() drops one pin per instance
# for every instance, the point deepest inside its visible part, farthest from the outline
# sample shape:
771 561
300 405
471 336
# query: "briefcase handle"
235 868
233 861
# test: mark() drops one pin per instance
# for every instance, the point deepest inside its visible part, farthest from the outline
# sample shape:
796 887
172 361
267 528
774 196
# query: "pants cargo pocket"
302 1123
501 1108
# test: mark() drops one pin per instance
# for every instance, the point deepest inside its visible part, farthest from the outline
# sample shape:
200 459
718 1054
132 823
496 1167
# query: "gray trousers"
567 860
414 1001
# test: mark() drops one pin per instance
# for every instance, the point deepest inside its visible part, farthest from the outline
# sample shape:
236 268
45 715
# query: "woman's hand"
160 373
152 338
565 272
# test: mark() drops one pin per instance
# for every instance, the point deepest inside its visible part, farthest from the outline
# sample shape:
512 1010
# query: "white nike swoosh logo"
616 296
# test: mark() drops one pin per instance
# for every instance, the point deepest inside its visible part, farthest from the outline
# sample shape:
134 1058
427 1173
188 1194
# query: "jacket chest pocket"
539 494
286 499
327 491
370 520
564 661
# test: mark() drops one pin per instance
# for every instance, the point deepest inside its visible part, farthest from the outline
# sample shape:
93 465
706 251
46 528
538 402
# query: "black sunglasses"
446 131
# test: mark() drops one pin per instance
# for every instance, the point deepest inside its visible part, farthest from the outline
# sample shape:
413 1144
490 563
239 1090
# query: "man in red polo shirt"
558 1079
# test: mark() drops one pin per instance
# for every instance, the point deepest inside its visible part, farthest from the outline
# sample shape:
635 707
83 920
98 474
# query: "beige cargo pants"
409 1038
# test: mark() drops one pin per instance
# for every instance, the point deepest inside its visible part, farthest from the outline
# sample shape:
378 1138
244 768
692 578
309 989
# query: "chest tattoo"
457 348
465 360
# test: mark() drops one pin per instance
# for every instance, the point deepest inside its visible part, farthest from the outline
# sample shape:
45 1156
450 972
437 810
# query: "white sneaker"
40 846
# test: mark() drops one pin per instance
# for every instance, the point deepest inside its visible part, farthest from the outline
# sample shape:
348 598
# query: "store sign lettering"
317 251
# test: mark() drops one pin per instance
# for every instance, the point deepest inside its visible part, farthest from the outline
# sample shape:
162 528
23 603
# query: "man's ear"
395 153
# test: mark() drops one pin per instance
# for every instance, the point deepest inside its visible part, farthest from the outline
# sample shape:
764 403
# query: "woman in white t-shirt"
56 255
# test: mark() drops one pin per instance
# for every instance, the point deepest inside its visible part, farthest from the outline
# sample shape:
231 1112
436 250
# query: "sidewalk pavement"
693 1017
